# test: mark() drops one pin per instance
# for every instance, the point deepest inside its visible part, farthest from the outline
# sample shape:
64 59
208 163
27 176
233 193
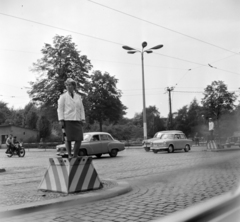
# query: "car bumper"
159 148
61 153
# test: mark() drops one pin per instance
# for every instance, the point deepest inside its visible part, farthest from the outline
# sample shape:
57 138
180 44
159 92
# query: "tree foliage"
17 117
217 99
30 116
181 120
103 99
44 127
154 121
190 119
5 112
59 62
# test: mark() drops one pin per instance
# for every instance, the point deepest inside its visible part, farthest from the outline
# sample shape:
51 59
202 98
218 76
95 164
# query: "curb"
122 187
222 149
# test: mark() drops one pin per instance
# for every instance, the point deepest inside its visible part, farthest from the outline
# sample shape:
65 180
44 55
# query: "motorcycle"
18 149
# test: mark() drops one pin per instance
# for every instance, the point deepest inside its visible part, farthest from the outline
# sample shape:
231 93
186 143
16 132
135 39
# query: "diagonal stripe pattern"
69 176
212 145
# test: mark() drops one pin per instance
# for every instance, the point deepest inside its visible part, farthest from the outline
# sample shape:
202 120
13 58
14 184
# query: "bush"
31 140
53 138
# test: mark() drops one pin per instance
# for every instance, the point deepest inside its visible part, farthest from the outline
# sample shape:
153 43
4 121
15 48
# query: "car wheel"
155 151
82 153
98 155
187 148
170 149
113 153
147 149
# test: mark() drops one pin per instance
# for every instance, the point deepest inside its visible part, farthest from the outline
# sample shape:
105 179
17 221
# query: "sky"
195 36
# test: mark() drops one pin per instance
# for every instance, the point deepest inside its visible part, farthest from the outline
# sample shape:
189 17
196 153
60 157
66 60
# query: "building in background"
22 134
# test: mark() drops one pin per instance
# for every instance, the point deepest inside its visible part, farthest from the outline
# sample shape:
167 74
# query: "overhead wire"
52 26
201 65
235 53
63 29
180 33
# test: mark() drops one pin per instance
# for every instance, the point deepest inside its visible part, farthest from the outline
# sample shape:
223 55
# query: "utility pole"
170 89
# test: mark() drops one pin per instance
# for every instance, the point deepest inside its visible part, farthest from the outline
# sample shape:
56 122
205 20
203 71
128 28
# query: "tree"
194 118
5 113
50 112
217 99
59 62
103 99
154 121
44 127
17 117
30 116
31 119
181 121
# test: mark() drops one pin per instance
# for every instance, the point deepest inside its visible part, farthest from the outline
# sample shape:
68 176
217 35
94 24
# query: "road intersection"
161 184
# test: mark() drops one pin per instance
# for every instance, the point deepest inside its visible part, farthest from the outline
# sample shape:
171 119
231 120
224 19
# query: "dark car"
95 143
170 141
147 143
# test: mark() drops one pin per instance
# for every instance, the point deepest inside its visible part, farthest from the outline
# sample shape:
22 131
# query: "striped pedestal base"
211 145
69 176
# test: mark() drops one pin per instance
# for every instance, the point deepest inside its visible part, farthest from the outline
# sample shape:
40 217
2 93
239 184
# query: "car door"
177 141
96 144
183 140
106 139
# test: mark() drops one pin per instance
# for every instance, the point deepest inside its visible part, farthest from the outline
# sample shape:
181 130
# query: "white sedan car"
95 143
171 141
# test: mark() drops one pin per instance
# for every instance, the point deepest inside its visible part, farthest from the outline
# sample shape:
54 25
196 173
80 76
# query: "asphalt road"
162 183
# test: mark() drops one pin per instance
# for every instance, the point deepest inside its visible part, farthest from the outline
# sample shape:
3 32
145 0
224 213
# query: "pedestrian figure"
71 116
211 129
196 139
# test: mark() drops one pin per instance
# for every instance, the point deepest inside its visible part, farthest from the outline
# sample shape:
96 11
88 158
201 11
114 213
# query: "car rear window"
182 136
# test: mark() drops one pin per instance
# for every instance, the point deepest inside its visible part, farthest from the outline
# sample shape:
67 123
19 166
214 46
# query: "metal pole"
144 104
170 106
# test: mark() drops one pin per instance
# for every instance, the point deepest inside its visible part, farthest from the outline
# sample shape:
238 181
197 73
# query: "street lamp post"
132 51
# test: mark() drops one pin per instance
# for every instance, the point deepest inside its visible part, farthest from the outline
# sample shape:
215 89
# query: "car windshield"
157 135
167 136
86 137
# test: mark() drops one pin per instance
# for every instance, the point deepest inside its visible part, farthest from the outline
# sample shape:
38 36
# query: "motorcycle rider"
15 142
9 143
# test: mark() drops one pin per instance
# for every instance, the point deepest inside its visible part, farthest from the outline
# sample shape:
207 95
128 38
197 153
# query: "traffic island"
111 188
70 176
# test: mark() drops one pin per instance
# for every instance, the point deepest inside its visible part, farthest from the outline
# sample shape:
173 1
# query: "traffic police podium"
70 175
